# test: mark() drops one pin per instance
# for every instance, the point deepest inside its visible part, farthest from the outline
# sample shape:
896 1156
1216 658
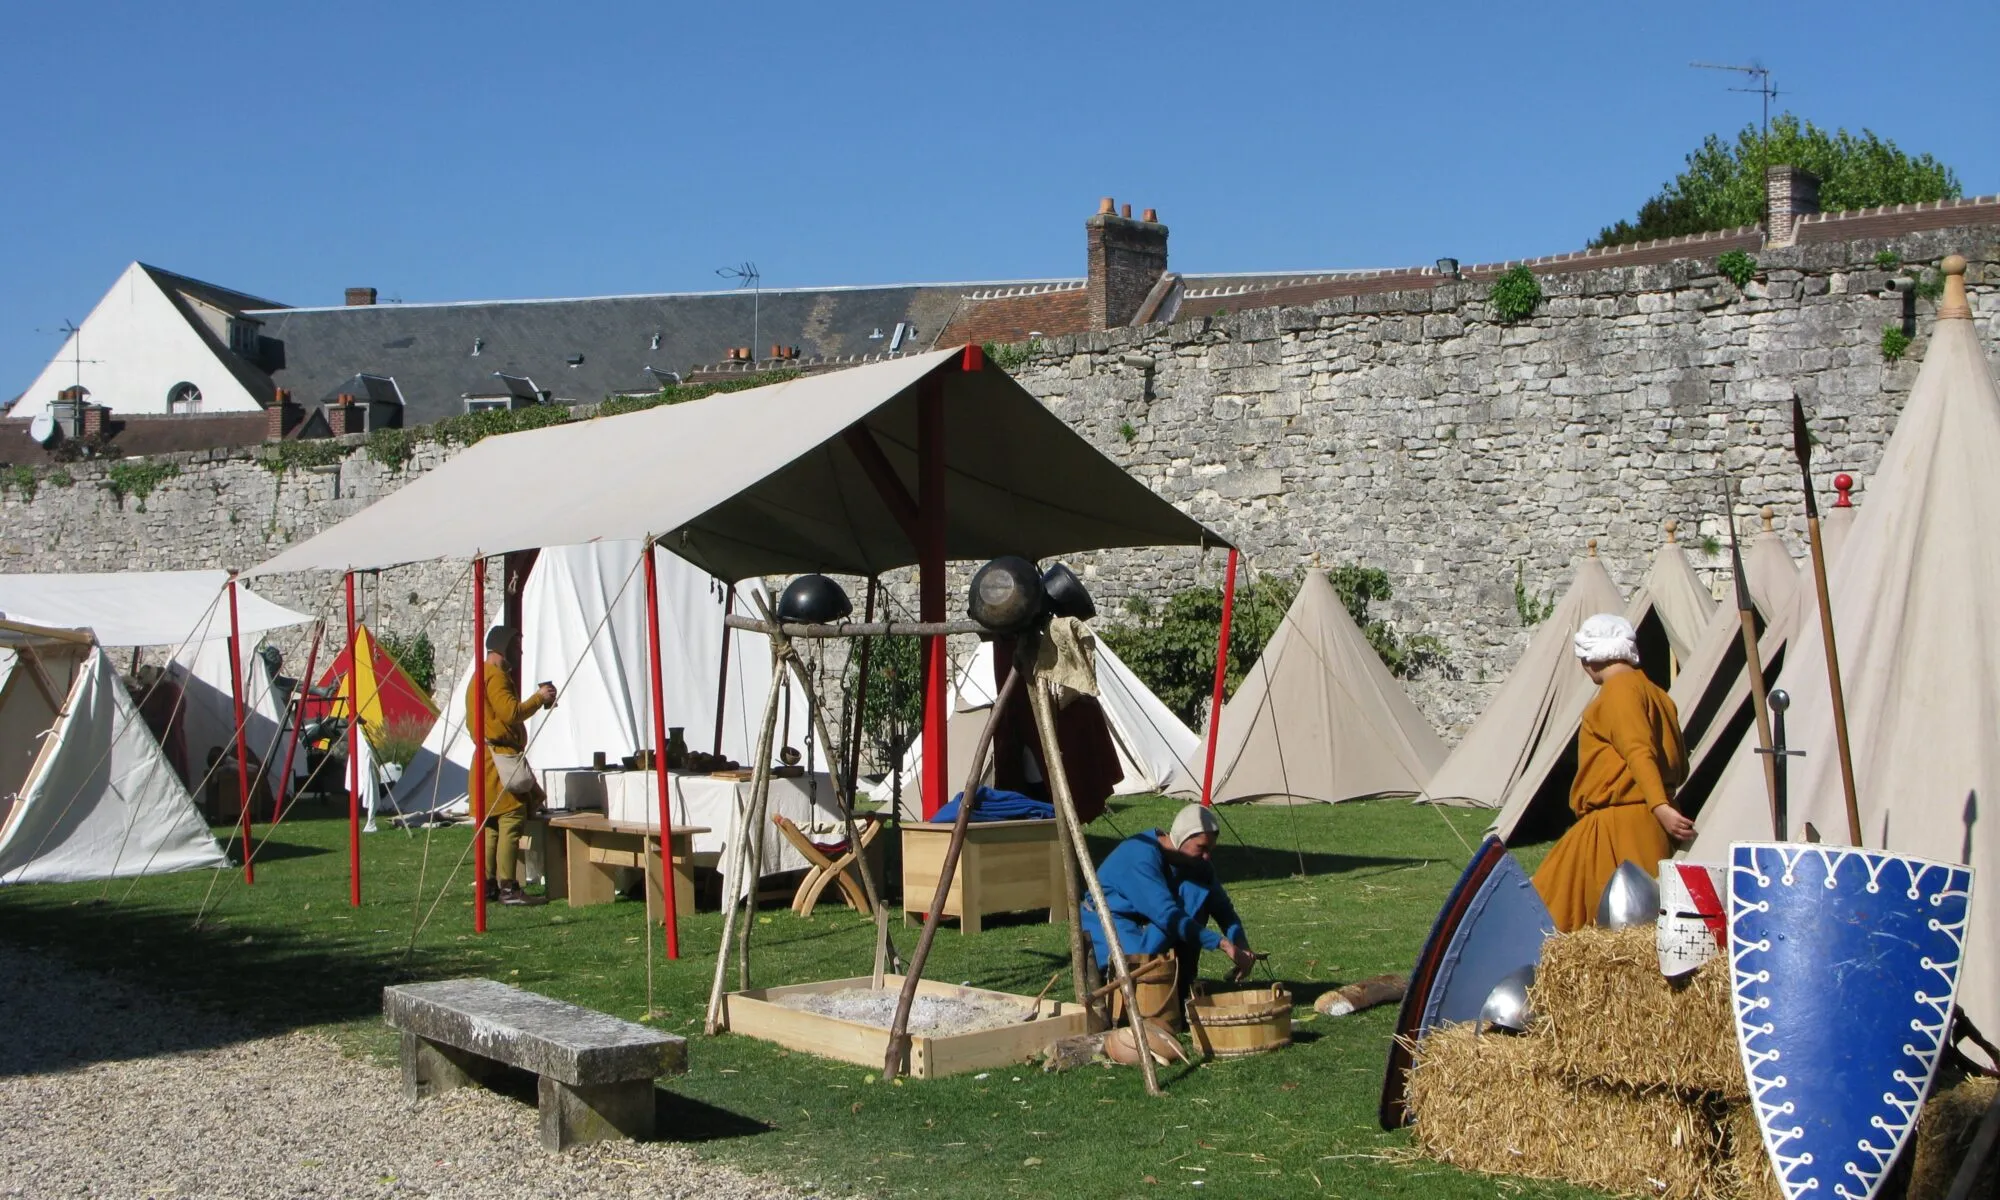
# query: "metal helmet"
1067 595
1506 1005
1692 922
1006 595
1631 898
814 600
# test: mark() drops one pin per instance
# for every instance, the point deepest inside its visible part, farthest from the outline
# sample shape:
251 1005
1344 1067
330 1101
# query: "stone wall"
1408 431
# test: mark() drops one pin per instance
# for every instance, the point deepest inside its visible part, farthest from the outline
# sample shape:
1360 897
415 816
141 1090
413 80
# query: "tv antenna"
72 332
746 276
1761 75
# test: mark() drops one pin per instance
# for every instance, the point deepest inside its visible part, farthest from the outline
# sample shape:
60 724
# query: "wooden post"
1045 724
667 906
733 853
236 703
298 709
899 1028
930 586
479 746
353 758
753 837
1221 676
1079 959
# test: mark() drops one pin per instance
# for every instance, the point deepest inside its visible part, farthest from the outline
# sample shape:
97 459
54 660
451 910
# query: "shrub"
398 741
1888 260
19 478
137 478
415 654
1894 342
1738 266
1011 356
1532 609
1127 431
1515 294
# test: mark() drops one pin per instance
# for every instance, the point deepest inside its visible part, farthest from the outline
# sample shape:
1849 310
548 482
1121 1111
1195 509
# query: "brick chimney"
1126 258
360 297
95 416
1789 193
282 417
346 417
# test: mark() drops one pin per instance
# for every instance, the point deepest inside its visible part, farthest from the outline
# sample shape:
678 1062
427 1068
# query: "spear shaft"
1746 615
1802 448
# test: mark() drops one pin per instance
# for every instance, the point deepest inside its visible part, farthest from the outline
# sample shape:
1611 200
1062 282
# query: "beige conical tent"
1319 717
1914 601
1677 598
1529 727
1772 572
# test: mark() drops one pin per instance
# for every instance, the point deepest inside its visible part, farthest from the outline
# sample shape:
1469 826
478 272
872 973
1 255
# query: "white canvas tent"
605 700
1319 717
1914 593
1156 749
1677 598
1529 727
208 717
85 792
1770 569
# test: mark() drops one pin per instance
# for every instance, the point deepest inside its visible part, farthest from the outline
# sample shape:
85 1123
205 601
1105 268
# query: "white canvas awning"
141 608
773 480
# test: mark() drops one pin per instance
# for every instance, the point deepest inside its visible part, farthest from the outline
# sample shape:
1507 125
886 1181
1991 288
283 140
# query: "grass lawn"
290 953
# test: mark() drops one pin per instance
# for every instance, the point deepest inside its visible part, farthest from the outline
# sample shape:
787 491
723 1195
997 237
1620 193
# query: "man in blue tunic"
1162 893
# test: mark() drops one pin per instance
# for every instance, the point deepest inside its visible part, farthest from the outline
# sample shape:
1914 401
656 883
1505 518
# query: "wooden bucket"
1236 1023
1156 977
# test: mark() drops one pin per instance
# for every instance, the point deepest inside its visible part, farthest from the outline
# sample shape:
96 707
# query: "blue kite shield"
1845 967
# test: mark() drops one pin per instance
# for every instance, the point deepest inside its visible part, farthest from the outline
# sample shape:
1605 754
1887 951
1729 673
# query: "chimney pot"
1107 206
1124 259
360 297
1152 216
1125 211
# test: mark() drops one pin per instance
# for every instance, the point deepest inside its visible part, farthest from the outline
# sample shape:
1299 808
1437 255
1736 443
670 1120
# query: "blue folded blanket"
992 804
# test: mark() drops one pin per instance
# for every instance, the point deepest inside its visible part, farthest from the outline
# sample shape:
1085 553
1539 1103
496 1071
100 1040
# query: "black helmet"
814 600
1006 595
1067 595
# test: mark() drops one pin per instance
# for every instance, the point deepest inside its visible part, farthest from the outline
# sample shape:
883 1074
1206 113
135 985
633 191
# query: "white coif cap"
1190 821
1607 637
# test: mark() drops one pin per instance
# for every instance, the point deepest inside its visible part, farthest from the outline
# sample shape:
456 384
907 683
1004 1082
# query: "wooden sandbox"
755 1013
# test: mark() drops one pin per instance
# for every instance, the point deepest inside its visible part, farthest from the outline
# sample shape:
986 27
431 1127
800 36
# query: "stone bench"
595 1071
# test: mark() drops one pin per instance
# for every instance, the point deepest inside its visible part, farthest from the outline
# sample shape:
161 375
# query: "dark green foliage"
19 478
1175 653
1127 431
1532 609
1929 285
313 452
1888 260
1894 342
894 711
137 478
415 654
1738 266
1515 294
1011 356
1723 185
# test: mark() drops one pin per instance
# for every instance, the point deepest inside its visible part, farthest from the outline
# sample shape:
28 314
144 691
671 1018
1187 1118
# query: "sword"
1802 447
1746 613
1780 701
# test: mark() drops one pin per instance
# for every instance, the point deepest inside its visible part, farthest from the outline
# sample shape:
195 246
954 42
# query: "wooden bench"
596 1071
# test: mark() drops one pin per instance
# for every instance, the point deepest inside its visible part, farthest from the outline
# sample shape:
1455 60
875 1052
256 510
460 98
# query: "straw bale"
1495 1104
1744 1169
1605 1014
1944 1135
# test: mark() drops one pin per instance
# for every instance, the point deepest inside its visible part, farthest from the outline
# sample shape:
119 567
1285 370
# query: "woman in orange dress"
1629 759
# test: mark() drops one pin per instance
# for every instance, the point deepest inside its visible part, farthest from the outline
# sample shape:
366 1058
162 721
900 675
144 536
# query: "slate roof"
428 349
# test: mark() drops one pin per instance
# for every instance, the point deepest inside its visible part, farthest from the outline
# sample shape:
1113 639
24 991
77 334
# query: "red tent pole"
930 586
722 676
236 703
668 915
479 747
1221 672
353 758
298 719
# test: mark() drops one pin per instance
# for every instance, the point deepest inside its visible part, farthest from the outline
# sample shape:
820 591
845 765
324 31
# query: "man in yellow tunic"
1629 759
506 733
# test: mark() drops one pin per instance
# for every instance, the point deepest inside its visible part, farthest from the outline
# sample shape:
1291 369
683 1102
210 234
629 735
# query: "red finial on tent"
1843 483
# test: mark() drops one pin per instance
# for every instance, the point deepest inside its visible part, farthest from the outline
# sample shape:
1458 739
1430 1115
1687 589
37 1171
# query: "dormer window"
183 398
244 335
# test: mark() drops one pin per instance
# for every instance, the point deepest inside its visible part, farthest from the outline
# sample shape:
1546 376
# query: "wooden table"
1005 866
583 862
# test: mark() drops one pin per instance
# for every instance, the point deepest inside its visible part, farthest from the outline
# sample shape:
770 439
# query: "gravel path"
106 1092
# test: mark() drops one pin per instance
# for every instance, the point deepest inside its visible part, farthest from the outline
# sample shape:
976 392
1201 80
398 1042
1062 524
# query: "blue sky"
443 151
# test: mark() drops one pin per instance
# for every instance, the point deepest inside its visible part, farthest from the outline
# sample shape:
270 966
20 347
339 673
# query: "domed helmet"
1631 898
1506 1005
1067 595
1006 595
814 600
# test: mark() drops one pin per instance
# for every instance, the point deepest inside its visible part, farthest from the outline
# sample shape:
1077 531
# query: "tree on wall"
1723 185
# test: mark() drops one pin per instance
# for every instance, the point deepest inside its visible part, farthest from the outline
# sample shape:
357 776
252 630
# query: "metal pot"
1067 597
1006 595
814 600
